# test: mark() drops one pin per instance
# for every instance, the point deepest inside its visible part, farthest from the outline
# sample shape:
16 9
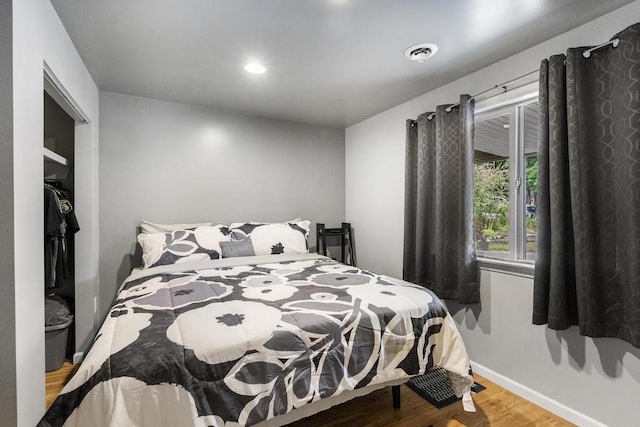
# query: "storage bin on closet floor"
55 345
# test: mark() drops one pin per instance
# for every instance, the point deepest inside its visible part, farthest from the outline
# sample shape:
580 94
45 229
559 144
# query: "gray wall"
168 162
597 377
38 40
8 403
581 378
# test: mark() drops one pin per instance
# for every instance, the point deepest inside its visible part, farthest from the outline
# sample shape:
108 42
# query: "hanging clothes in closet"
60 224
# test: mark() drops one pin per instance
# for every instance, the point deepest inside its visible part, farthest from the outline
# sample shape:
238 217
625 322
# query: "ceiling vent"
420 52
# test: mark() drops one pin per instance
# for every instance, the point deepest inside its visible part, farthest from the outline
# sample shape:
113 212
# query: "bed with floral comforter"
240 341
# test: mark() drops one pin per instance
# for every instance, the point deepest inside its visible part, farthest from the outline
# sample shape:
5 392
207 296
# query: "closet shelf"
53 157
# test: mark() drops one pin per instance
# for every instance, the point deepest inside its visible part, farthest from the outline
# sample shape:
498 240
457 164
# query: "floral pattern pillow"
274 238
180 246
148 227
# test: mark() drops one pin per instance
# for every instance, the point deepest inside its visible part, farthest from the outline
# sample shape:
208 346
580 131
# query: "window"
505 180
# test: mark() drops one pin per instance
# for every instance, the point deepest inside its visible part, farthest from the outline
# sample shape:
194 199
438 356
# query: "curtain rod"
614 43
503 86
500 86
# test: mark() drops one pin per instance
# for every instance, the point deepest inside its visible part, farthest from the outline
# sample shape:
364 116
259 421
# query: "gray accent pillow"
237 248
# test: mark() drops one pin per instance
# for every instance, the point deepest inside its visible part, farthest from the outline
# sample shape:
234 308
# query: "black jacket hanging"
59 222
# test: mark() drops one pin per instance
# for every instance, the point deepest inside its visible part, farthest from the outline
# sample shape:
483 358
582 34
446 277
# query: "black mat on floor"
434 387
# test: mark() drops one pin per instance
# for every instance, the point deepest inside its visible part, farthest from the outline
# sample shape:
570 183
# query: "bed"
253 340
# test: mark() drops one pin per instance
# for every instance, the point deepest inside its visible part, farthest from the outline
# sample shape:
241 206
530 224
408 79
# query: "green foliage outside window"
491 199
531 174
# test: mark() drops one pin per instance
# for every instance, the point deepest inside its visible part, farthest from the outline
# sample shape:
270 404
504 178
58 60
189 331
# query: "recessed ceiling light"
420 52
255 68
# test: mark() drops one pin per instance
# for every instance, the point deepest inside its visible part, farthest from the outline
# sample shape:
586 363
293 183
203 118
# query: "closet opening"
60 226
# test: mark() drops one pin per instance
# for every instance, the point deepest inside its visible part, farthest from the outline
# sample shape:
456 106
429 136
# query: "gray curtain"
588 249
439 249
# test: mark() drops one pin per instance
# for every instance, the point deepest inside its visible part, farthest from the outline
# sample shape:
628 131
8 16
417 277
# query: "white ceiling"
330 62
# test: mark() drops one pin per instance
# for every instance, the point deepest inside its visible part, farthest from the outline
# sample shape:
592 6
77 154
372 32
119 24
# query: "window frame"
513 103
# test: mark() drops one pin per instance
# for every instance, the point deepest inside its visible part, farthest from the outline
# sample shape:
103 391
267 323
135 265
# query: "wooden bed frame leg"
395 391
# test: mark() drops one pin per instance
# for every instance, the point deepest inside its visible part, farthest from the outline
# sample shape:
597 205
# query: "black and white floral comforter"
241 340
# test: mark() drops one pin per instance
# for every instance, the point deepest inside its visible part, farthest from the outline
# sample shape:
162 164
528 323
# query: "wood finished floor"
55 380
495 407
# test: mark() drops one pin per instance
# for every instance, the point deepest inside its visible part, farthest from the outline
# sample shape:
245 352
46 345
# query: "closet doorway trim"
56 90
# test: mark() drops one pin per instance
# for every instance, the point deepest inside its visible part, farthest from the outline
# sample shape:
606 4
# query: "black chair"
347 243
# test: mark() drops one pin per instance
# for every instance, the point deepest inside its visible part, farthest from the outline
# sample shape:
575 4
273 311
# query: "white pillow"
180 246
298 219
147 227
274 238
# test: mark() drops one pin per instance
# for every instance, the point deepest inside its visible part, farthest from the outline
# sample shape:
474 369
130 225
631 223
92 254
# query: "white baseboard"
77 358
539 399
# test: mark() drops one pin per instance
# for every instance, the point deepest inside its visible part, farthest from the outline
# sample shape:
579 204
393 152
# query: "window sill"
524 269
